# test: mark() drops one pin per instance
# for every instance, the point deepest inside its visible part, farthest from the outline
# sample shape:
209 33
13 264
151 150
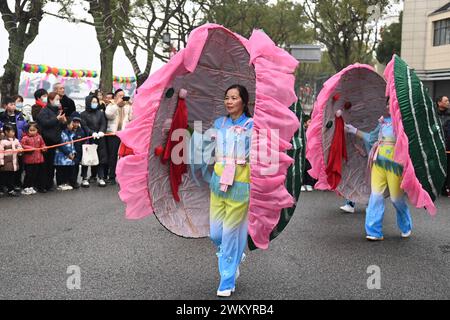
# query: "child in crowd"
9 163
34 161
16 119
65 159
79 134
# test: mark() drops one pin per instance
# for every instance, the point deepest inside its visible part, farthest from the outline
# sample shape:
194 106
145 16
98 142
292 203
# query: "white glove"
100 134
95 135
350 129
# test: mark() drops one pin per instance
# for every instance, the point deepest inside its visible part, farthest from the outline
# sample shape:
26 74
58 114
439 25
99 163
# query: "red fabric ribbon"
180 121
41 104
338 150
125 151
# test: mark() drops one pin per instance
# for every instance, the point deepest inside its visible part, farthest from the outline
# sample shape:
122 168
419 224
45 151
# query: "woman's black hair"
243 93
39 93
439 99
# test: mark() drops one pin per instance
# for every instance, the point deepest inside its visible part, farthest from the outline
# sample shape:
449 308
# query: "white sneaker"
224 293
101 183
26 192
33 191
303 189
372 238
60 187
347 208
67 187
407 234
309 188
85 183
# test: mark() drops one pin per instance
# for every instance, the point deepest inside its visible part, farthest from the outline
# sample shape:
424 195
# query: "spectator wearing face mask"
19 107
41 97
101 101
93 122
51 121
13 117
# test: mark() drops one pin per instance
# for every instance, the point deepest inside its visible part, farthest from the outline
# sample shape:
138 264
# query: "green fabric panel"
427 150
294 175
389 166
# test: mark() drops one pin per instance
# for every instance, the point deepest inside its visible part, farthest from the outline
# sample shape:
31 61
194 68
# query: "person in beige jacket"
118 114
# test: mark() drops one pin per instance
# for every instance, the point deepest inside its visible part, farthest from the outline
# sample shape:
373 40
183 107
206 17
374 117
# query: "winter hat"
75 116
88 101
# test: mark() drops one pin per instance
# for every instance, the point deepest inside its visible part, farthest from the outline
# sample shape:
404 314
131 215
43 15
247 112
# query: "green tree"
22 26
391 42
284 21
348 28
110 18
148 22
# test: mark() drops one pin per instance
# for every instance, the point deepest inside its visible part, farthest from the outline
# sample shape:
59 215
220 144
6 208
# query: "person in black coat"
68 104
443 110
51 121
94 123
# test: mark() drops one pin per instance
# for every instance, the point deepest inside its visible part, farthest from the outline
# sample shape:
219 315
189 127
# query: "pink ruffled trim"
410 184
274 95
274 91
314 148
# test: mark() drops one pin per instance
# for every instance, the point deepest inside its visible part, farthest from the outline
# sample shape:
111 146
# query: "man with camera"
118 113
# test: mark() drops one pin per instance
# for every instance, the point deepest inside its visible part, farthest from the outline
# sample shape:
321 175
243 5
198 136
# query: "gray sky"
67 45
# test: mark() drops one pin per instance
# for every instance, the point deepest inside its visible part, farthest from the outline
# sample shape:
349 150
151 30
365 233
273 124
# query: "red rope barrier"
53 146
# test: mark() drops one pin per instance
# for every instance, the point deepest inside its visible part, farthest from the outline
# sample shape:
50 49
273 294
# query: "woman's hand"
61 117
350 129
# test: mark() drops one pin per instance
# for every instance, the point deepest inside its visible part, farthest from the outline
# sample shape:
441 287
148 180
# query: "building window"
441 32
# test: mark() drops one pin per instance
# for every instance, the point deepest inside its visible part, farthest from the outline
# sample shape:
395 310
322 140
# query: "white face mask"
57 103
44 99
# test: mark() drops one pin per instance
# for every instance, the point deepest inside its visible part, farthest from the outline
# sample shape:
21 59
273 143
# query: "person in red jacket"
34 161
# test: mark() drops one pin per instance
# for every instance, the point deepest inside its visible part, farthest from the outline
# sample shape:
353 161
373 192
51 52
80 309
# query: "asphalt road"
321 255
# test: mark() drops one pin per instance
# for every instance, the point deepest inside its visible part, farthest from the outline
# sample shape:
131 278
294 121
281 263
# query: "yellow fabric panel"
231 212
